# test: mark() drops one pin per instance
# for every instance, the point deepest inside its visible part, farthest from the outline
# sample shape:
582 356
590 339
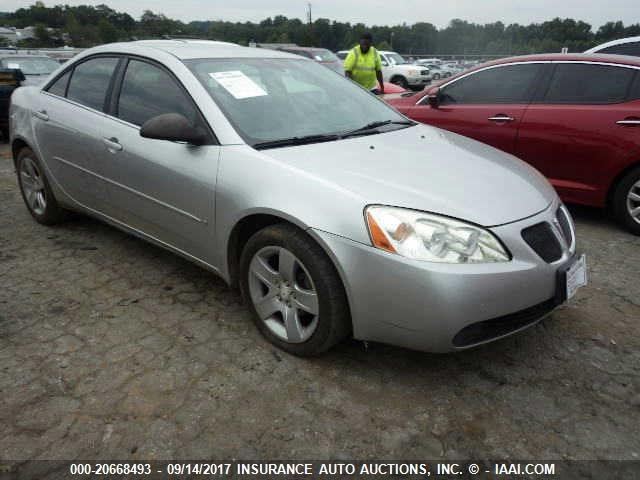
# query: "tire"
35 189
400 81
626 201
436 76
282 270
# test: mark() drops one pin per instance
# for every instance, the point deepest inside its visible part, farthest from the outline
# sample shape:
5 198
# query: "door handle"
501 117
42 115
112 144
629 122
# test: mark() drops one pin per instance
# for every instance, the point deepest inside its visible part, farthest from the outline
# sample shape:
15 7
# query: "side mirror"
173 127
384 63
433 98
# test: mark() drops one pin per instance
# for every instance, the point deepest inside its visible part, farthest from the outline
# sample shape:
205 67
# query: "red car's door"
584 130
486 105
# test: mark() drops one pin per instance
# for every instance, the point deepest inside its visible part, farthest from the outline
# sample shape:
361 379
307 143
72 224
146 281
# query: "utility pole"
309 13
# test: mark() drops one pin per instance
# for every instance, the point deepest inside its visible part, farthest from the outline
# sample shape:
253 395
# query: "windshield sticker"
14 66
238 84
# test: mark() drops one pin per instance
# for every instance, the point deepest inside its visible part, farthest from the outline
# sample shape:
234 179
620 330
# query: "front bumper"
436 307
420 80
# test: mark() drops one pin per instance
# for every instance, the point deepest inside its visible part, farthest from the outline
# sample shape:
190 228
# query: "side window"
631 48
59 87
508 84
634 94
148 91
579 83
90 81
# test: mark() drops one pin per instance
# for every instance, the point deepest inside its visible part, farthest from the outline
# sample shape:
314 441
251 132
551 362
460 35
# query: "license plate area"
571 277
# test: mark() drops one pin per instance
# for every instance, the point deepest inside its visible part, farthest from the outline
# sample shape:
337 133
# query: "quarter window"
148 91
580 83
508 84
90 82
59 87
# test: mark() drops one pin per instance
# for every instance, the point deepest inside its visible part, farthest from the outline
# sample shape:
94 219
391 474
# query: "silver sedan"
332 213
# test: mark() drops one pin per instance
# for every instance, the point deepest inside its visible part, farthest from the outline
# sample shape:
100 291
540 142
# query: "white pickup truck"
395 69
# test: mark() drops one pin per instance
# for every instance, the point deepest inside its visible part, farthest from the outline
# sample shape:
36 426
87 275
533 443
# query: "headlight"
430 237
413 73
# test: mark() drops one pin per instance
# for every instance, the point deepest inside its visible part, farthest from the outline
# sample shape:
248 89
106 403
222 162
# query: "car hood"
406 67
428 169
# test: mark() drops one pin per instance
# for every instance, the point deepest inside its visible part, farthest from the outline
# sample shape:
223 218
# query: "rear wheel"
295 294
626 201
35 189
436 76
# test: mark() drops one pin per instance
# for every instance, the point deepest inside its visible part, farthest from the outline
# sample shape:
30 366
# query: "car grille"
424 72
543 241
548 243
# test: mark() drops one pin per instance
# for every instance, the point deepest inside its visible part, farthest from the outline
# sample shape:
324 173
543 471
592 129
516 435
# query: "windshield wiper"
371 127
285 142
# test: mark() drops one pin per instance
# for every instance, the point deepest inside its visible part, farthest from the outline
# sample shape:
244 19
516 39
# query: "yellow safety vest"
363 66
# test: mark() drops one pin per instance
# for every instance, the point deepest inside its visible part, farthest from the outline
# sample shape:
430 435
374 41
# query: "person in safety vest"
363 64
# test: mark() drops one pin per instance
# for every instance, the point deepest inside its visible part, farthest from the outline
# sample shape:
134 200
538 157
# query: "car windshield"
324 56
397 59
31 65
274 99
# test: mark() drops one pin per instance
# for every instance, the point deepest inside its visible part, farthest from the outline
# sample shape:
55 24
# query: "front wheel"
626 201
294 291
35 189
401 82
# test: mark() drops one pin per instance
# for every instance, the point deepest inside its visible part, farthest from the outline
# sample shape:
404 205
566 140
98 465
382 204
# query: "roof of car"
612 43
188 49
567 57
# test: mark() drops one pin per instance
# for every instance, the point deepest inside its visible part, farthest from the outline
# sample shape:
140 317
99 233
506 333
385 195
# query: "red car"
576 118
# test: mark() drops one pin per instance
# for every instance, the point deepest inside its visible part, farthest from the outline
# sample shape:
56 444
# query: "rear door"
486 105
67 125
584 129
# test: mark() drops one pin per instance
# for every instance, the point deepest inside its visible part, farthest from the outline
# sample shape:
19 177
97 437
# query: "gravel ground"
111 348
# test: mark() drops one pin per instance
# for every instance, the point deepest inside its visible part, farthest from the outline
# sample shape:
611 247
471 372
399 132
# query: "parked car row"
575 118
333 213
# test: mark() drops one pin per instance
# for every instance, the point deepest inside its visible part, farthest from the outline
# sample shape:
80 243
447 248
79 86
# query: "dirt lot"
113 349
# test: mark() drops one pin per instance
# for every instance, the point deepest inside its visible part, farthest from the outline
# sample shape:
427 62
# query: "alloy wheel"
633 201
32 183
283 294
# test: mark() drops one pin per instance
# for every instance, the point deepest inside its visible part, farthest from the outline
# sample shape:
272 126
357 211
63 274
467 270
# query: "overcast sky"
375 12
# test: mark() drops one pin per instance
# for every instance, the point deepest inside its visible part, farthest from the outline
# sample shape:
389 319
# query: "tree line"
86 26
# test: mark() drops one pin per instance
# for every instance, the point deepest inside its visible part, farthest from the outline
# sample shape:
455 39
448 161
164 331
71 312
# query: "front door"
161 188
486 105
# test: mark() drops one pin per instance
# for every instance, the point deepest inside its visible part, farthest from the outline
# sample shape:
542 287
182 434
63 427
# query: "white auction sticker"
14 66
238 84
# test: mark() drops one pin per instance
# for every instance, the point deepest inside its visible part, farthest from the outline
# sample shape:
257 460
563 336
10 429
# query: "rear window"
580 83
